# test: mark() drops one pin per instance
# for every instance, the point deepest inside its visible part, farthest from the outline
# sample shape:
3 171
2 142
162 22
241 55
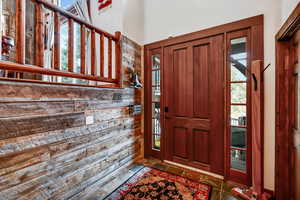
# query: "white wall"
124 15
174 17
287 6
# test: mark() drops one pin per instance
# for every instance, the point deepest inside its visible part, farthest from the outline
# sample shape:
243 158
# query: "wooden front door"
194 103
295 116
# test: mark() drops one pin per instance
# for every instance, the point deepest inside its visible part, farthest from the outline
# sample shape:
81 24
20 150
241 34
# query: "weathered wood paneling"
47 149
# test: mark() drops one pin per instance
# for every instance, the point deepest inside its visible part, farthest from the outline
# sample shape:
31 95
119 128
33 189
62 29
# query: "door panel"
181 148
194 94
200 146
201 76
180 81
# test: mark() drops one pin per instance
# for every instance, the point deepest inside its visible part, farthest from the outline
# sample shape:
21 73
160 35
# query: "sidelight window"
156 93
238 103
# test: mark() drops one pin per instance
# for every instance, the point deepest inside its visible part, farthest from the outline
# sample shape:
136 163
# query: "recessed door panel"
180 82
181 142
201 76
200 146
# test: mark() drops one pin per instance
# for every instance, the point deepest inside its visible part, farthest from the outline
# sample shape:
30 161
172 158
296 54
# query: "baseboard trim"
195 169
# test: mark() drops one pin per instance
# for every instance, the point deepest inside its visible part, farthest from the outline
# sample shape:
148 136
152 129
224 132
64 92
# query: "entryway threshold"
195 169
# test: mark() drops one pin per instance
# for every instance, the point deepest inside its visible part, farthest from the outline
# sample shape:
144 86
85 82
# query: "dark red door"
194 101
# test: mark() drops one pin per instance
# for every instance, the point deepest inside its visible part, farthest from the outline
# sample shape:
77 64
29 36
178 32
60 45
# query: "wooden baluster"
1 31
93 52
56 41
20 31
71 45
102 55
109 58
118 58
82 47
39 35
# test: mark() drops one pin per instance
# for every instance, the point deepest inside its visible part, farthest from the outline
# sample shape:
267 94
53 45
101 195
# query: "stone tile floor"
220 190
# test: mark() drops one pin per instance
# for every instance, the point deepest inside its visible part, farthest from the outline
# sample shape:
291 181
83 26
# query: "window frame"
239 176
149 150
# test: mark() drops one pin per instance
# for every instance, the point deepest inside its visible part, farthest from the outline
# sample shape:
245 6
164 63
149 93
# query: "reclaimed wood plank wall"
47 149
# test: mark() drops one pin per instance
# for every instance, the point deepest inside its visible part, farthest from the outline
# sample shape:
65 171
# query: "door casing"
255 26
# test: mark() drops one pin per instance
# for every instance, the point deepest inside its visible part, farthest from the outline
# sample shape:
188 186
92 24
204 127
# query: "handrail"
96 73
35 69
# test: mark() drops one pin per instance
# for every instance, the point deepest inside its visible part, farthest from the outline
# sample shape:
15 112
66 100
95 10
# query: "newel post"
118 57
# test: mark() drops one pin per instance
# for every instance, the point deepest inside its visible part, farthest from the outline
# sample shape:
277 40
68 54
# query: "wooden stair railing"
55 70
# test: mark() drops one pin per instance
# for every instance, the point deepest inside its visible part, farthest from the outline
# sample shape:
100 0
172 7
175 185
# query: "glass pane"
30 32
156 134
156 94
238 137
238 116
66 4
156 110
8 30
238 92
155 77
156 61
238 74
156 129
238 160
238 58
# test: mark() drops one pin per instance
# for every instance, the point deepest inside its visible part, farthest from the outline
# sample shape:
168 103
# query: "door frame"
254 24
285 111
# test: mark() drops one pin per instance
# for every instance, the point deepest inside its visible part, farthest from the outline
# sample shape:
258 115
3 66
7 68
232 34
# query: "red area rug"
148 184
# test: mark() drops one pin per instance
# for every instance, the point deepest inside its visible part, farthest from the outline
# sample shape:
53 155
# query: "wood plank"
39 35
109 58
83 49
12 145
56 41
102 55
39 124
71 45
93 53
19 92
20 31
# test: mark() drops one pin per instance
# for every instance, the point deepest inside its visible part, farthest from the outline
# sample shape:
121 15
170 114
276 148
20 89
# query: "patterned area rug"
148 184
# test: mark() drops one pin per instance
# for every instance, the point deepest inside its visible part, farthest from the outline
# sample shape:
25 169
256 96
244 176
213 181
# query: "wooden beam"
71 45
93 53
83 46
39 35
102 55
56 41
20 31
